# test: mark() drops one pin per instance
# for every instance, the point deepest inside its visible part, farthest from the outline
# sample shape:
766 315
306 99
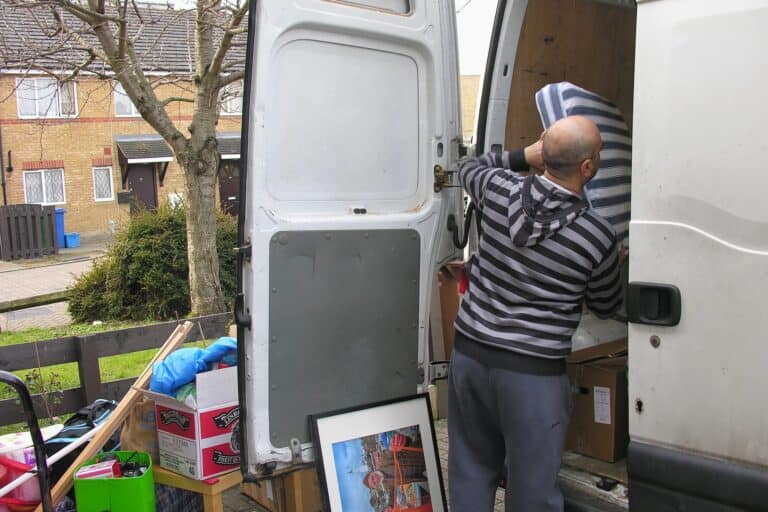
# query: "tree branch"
226 40
179 99
230 78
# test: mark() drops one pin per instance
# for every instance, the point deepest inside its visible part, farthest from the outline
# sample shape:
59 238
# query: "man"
542 253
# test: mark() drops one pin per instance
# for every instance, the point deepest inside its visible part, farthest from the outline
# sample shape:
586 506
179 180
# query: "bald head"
568 143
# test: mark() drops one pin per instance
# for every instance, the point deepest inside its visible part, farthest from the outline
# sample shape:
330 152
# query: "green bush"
144 275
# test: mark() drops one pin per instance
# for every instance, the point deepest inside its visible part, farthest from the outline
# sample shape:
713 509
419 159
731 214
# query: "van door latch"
444 178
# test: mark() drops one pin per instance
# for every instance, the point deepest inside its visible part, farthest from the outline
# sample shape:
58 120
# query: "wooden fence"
86 351
27 231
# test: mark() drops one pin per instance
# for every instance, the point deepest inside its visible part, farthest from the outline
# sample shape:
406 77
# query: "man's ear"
587 170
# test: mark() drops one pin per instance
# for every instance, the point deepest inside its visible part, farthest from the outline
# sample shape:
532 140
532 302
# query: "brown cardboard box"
298 491
599 423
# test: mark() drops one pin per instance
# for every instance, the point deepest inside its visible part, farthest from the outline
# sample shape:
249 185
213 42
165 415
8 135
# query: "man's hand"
533 155
623 253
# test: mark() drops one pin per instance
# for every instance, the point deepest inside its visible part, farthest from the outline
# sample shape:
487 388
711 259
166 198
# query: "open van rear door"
352 107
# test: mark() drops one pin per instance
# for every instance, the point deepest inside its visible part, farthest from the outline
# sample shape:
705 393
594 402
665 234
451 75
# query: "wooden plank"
61 402
89 371
116 389
64 350
294 490
50 230
302 491
25 355
24 231
119 414
146 337
15 241
33 229
31 302
5 234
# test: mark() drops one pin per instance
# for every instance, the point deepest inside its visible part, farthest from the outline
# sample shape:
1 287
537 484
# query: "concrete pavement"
23 279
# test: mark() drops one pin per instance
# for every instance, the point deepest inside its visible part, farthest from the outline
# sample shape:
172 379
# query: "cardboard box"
599 423
200 442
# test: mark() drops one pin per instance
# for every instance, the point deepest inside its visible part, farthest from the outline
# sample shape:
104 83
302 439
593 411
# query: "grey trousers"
498 415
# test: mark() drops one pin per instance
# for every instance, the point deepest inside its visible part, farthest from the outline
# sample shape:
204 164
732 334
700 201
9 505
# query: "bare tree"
120 40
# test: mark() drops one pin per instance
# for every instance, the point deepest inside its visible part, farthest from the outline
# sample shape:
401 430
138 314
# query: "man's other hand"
533 155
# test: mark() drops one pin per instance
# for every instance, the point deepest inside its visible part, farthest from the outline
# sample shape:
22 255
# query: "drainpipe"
2 169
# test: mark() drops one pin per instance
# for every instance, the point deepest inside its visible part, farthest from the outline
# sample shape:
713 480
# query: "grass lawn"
65 376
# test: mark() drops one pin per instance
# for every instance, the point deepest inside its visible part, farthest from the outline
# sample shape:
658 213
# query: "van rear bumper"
666 480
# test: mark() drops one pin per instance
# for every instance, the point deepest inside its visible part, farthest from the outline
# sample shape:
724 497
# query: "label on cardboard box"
177 445
175 422
602 399
219 421
220 458
177 464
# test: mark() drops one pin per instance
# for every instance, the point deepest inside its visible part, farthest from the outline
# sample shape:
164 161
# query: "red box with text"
200 442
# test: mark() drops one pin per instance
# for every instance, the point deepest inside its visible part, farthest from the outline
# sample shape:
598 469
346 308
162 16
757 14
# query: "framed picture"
379 458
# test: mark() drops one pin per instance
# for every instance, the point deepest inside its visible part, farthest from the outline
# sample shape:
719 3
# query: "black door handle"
653 304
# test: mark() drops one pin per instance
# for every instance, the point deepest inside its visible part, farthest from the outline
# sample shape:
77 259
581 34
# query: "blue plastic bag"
181 366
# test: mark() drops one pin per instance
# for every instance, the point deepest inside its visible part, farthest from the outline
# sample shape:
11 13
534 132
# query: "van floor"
581 479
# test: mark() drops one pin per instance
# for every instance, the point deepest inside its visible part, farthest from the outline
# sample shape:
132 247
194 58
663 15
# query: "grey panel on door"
343 323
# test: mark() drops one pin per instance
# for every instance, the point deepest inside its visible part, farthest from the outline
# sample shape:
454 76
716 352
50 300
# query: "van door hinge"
444 178
244 250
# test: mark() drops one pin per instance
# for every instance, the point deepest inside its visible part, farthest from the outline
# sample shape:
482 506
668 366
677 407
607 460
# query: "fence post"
5 234
88 367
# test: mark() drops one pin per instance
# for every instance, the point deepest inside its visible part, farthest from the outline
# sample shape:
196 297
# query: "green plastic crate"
129 494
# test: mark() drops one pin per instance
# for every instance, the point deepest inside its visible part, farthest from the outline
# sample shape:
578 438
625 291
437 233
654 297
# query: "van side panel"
699 221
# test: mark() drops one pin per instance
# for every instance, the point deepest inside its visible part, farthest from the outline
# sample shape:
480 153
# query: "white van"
350 138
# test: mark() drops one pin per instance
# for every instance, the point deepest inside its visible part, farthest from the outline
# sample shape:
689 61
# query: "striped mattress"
608 193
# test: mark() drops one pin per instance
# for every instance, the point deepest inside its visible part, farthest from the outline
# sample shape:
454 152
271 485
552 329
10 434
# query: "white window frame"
38 106
119 90
111 183
226 102
42 181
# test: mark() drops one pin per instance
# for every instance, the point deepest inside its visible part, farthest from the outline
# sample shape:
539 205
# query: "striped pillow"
608 193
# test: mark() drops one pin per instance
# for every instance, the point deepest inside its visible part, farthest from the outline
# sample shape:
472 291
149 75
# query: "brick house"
81 145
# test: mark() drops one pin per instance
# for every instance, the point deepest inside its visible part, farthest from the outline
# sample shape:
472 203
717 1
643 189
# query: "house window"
45 186
102 184
45 97
232 99
124 107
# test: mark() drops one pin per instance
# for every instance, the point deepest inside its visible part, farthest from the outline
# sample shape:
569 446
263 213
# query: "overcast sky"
474 20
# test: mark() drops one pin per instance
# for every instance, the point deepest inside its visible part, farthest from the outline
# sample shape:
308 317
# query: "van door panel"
351 107
699 222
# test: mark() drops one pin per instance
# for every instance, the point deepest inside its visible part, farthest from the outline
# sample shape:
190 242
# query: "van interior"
591 44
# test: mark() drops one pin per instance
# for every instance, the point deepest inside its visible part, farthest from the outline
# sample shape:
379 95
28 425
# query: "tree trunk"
200 170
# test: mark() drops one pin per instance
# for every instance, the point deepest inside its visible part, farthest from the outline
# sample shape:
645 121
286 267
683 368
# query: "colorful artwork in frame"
379 458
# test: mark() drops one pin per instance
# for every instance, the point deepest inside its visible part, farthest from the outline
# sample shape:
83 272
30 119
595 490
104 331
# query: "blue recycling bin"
60 227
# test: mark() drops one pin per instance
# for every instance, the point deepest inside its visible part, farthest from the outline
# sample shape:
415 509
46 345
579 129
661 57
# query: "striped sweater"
609 193
541 254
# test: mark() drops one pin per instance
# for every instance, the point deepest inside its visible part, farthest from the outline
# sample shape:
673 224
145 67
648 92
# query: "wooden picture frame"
379 457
